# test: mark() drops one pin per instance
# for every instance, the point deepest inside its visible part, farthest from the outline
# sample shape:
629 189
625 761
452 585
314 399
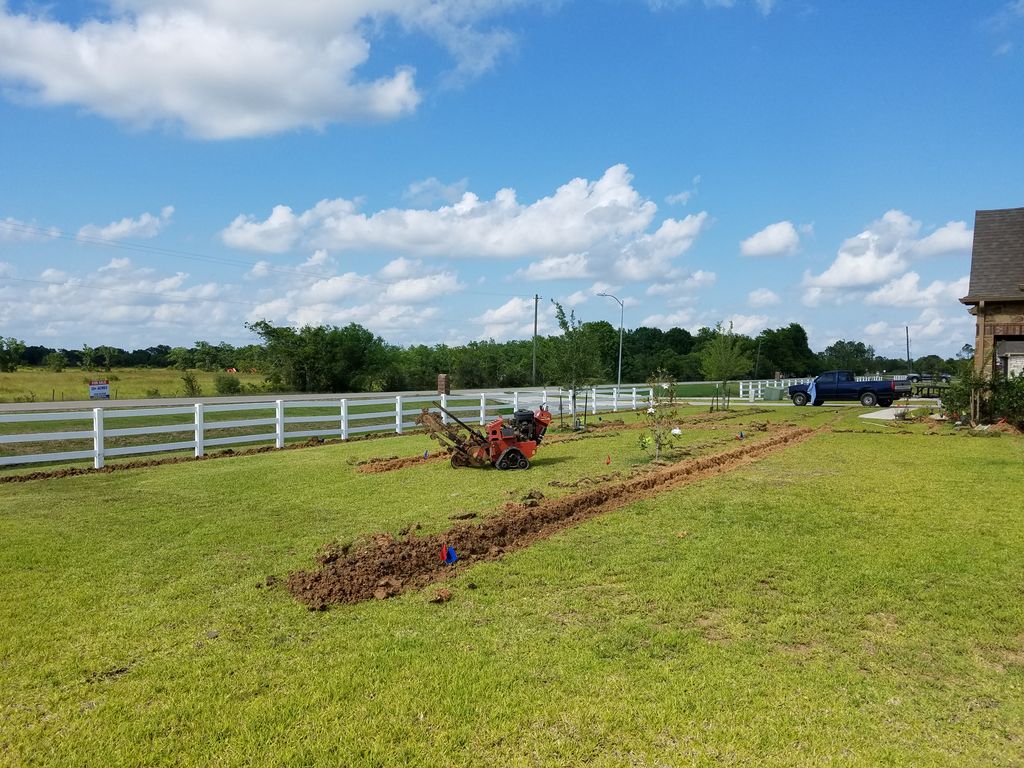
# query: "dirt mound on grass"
387 566
391 463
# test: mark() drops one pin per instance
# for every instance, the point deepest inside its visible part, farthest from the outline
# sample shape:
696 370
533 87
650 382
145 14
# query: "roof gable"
997 259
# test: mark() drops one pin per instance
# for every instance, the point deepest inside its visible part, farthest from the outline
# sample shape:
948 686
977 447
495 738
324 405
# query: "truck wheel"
800 399
869 399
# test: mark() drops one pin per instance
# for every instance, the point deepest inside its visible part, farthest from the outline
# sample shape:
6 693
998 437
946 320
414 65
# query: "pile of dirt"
386 566
586 481
391 463
574 436
1006 428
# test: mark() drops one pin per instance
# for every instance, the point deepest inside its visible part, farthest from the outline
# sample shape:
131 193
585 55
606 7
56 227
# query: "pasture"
43 385
850 598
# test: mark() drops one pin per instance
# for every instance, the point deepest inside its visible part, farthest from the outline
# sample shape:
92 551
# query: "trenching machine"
505 443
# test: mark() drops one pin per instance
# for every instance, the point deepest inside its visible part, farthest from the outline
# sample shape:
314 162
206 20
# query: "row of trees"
352 358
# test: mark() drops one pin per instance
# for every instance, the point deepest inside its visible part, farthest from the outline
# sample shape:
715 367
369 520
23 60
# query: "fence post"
444 404
572 407
751 395
199 430
615 400
344 419
97 438
650 395
515 401
544 397
483 409
398 414
593 400
634 398
279 423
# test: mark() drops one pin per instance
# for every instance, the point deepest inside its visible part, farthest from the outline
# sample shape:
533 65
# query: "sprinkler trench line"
65 471
401 565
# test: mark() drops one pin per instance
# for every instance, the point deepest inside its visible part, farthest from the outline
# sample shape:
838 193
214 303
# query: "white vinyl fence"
346 417
757 390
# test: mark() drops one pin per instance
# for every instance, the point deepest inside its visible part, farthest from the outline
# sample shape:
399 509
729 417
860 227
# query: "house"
996 293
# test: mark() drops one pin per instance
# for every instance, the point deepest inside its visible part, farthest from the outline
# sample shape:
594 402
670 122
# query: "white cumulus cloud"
145 226
585 227
906 291
774 240
748 325
679 319
229 69
763 297
574 265
881 253
14 230
693 282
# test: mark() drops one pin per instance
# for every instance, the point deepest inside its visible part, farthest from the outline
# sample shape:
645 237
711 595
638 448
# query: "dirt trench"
388 566
390 464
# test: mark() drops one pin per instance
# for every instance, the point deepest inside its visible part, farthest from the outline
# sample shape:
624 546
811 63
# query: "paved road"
77 405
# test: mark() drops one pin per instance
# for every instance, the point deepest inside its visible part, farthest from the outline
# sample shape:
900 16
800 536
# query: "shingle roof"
997 261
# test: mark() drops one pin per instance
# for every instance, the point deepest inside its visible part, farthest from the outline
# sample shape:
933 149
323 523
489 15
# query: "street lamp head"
610 296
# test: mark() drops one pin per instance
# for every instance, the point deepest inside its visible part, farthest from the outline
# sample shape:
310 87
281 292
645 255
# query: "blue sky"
171 170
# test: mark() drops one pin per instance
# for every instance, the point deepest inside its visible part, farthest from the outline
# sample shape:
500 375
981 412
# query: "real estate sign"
99 390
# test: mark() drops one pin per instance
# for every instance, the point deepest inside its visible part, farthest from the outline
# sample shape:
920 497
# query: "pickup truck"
915 378
843 385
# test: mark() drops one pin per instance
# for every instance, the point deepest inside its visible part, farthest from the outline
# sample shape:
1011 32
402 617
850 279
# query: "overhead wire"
152 250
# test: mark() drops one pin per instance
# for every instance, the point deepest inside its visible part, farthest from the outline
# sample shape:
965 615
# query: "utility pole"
910 367
622 311
536 301
758 363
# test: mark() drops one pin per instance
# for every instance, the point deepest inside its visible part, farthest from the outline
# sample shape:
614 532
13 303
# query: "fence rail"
757 390
347 417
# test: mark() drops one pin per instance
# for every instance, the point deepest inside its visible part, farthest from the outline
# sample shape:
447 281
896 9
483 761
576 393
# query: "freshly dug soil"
375 466
388 566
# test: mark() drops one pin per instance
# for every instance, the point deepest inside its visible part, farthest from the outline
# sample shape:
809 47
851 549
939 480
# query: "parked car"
843 385
915 378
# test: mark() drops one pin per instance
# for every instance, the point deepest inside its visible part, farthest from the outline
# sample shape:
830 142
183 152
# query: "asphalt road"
78 405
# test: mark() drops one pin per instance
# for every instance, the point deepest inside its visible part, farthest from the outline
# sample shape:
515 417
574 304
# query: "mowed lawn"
855 600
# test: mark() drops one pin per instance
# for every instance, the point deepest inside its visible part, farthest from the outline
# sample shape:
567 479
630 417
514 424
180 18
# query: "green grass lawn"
854 600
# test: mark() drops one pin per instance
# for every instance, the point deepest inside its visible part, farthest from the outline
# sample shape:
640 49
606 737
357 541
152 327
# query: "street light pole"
622 312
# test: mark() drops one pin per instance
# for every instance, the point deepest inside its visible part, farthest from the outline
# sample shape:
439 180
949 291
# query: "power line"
77 284
153 250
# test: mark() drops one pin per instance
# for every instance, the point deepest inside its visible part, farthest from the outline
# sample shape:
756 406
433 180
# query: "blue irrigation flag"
811 392
450 556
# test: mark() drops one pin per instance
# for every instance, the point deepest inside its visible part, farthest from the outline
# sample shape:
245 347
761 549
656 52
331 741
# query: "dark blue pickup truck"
843 385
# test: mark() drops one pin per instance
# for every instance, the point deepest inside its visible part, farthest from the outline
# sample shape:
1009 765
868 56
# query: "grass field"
43 385
853 600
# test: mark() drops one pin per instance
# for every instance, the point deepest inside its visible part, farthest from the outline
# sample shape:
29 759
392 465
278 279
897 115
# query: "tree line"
353 359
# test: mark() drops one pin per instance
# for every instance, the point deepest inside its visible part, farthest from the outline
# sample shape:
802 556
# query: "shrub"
997 398
192 388
1008 399
226 384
